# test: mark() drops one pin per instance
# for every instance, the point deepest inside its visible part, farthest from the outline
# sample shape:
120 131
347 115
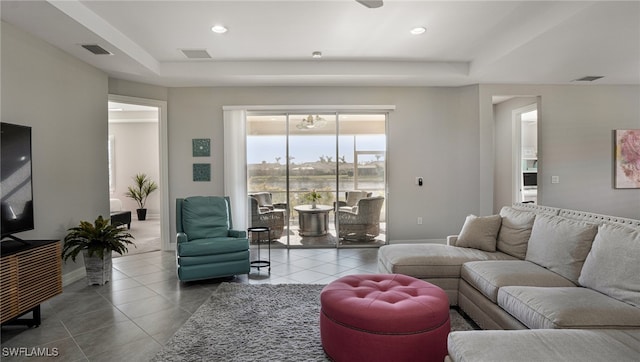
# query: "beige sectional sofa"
533 267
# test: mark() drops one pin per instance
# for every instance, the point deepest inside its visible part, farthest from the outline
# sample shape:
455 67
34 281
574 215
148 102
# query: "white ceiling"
270 42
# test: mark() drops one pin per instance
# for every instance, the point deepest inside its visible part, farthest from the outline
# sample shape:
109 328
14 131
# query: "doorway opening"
526 120
135 147
517 160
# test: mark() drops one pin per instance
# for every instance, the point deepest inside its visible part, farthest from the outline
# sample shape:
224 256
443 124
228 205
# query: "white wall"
433 133
64 101
575 142
446 135
136 151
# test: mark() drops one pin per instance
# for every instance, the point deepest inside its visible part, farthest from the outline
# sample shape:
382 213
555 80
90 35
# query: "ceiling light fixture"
219 29
311 122
418 30
316 55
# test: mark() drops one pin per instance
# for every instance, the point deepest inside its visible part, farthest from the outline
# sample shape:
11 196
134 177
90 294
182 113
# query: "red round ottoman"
384 317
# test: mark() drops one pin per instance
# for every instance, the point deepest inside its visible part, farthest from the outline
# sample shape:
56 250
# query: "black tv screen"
530 178
16 185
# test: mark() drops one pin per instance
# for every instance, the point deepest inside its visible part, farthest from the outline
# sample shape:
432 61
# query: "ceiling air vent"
589 78
96 49
196 53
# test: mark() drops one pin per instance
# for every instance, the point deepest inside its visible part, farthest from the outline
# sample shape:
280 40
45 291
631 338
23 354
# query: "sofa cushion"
479 232
205 217
560 245
545 345
489 276
430 260
572 307
613 264
515 231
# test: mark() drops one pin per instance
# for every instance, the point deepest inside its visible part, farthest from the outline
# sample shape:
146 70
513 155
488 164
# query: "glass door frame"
287 113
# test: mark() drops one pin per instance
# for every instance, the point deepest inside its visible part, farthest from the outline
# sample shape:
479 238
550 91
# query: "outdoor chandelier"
311 122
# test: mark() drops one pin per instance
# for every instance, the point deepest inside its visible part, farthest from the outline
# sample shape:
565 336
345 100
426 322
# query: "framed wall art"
627 159
201 172
201 147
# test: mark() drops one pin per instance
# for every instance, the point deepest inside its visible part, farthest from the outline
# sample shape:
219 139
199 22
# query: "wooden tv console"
30 273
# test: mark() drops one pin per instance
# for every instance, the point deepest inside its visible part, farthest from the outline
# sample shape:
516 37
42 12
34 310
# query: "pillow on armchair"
264 200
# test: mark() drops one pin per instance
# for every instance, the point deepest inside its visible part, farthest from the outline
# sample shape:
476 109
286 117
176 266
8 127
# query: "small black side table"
259 263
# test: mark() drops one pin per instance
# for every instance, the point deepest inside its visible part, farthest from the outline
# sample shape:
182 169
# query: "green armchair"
207 246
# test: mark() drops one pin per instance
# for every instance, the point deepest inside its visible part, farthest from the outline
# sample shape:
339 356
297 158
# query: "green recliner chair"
207 246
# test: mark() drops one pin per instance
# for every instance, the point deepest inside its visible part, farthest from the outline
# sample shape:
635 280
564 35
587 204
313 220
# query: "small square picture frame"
201 147
201 172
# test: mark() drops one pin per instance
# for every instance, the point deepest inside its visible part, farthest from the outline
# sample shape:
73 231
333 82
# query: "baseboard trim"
73 276
419 241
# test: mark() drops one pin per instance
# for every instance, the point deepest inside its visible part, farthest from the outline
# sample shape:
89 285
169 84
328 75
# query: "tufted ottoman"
384 317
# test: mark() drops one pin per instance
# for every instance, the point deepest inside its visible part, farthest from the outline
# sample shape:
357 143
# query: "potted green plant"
313 196
96 241
140 191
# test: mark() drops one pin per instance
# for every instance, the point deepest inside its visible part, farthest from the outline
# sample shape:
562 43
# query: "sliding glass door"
318 179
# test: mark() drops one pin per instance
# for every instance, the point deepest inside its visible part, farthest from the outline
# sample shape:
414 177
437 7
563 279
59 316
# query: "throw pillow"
560 245
612 266
515 231
480 232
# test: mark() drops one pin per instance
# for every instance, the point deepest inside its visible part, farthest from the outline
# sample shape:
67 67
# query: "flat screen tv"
16 185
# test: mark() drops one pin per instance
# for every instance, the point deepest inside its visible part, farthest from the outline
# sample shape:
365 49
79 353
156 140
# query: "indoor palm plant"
96 241
140 191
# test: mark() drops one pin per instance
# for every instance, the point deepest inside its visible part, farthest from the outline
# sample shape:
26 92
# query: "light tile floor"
131 317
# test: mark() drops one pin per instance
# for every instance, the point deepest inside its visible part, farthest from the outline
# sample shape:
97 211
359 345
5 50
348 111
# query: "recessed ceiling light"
316 55
419 30
219 29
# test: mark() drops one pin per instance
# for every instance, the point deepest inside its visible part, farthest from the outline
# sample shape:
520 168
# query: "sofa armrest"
238 233
452 240
182 238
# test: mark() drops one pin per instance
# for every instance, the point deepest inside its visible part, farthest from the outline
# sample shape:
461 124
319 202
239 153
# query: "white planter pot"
98 269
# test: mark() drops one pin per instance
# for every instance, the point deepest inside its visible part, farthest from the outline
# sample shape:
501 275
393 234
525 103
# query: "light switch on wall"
419 181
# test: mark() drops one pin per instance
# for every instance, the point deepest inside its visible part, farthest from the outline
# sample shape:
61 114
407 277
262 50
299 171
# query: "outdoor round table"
313 221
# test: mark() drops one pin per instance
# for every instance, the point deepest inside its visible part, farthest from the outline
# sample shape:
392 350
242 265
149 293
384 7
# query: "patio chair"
272 218
207 246
352 198
265 201
363 224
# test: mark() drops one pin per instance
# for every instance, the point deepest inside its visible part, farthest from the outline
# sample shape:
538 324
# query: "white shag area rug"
265 322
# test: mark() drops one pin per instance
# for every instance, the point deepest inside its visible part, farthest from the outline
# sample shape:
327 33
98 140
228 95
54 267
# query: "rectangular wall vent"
96 49
589 78
196 53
